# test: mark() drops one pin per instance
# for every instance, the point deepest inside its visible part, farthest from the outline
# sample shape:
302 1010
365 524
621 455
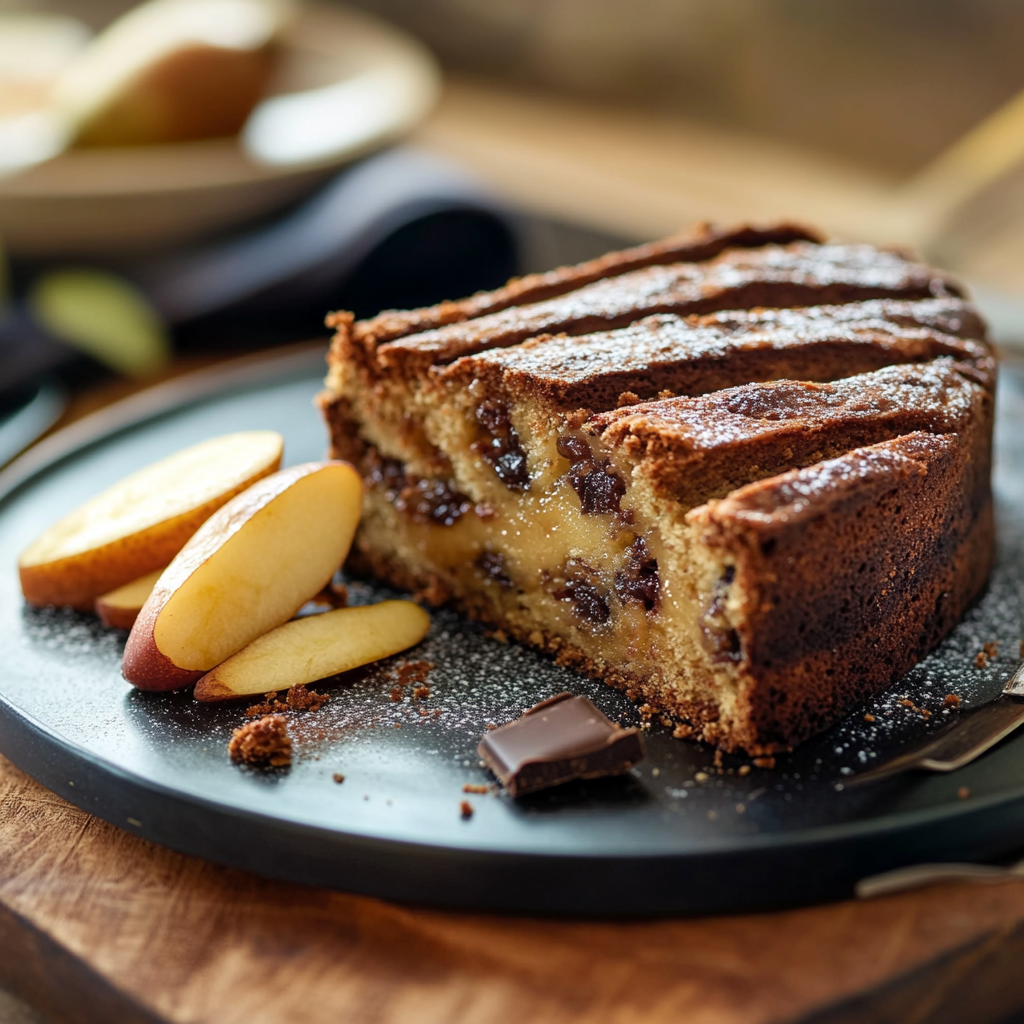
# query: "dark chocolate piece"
556 741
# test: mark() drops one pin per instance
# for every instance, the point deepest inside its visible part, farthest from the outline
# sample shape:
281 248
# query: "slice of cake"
751 490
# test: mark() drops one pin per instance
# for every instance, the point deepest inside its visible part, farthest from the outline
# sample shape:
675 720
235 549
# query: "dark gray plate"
675 836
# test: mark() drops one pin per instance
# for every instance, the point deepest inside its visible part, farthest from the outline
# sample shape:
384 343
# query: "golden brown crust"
799 274
698 355
703 242
686 445
851 572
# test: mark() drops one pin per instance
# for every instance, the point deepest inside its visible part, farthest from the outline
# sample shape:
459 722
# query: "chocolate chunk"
421 499
720 640
599 487
492 564
556 741
588 602
639 580
501 449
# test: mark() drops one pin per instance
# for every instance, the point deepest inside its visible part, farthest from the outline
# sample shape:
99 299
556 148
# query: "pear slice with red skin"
120 608
140 523
248 569
314 647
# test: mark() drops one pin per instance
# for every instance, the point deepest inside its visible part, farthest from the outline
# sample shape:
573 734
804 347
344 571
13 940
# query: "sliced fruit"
142 522
120 608
317 646
249 568
103 315
171 70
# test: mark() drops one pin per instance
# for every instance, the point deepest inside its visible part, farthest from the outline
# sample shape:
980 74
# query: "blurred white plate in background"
348 84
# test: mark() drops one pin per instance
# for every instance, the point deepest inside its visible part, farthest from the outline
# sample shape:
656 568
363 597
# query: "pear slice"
249 568
142 522
170 71
120 608
312 648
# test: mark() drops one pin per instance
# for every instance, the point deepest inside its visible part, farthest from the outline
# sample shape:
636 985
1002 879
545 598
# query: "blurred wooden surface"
97 925
639 175
643 175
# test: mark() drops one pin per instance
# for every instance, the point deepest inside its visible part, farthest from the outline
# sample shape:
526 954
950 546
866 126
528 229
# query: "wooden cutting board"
99 926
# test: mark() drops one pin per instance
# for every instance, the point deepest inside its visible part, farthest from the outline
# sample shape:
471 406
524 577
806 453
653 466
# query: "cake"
742 474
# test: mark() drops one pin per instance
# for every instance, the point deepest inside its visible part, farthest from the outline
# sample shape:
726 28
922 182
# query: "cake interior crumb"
263 742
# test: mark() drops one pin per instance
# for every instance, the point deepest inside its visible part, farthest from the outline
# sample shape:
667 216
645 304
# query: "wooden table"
97 925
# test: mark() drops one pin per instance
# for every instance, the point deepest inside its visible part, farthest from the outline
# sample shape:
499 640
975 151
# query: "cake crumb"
744 769
500 635
869 718
923 712
991 649
302 699
469 787
489 726
397 694
628 398
466 810
981 660
338 777
646 711
764 762
422 692
717 762
701 777
398 725
682 731
263 742
963 793
666 394
414 673
952 701
269 705
666 721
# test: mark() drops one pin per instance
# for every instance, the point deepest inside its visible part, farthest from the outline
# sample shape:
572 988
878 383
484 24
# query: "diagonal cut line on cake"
703 243
629 501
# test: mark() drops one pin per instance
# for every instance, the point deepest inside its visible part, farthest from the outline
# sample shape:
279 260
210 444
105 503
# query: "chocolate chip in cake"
587 600
599 487
720 640
423 500
501 449
639 580
492 564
